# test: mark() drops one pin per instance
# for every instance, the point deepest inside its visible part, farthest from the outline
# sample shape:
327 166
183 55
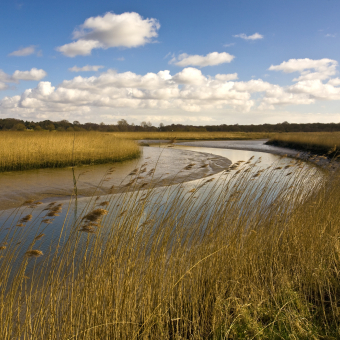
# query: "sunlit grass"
317 142
223 261
31 150
192 135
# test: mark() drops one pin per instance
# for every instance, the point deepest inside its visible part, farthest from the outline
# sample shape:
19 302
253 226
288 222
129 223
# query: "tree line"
122 125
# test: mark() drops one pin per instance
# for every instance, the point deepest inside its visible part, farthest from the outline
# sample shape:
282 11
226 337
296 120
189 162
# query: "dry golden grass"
173 136
317 142
224 261
31 150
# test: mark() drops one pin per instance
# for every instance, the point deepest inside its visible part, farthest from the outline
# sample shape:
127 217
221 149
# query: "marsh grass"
316 142
34 150
176 136
223 261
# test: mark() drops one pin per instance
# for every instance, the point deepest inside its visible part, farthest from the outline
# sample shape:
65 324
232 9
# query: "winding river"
166 169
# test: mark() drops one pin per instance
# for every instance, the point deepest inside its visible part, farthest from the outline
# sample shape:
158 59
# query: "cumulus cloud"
189 90
253 86
111 30
309 86
334 82
3 86
86 68
310 69
5 78
226 77
190 76
33 74
211 59
255 36
23 52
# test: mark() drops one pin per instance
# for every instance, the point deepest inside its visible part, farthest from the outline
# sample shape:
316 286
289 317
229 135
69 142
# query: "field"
316 142
221 261
32 150
192 135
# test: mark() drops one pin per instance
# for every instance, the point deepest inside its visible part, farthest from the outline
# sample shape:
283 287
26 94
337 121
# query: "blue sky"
191 62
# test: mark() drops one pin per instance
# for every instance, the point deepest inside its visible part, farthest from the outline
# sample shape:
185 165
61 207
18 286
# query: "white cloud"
189 90
190 76
334 82
252 86
3 86
315 89
23 52
323 68
226 77
86 68
4 77
330 35
111 30
211 59
80 47
33 74
254 36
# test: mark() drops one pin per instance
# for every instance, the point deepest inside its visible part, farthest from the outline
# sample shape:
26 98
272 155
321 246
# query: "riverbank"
316 143
260 145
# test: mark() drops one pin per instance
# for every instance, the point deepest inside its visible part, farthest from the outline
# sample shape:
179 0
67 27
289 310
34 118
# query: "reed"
223 261
173 136
34 150
315 142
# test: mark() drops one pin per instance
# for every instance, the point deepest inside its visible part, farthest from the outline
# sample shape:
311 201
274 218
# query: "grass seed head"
95 215
104 204
26 218
40 236
34 253
87 229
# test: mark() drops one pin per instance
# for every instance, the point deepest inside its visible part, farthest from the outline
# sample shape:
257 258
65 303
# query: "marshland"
247 250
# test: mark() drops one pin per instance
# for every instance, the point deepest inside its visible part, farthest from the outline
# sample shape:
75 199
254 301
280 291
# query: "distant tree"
76 122
50 127
19 127
123 125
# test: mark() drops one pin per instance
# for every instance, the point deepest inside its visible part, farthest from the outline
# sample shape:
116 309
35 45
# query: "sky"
172 62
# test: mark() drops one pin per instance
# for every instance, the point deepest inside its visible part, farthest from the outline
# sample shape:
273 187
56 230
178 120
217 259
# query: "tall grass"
223 261
30 150
192 135
316 142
